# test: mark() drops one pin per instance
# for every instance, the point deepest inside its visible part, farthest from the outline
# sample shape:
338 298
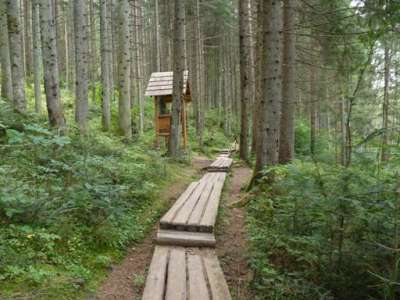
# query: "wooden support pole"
156 119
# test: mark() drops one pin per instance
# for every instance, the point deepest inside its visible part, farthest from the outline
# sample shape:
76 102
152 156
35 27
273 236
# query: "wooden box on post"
160 88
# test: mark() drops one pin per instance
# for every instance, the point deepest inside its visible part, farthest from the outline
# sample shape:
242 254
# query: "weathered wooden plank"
198 289
185 238
176 282
171 214
155 283
218 286
198 211
184 214
211 211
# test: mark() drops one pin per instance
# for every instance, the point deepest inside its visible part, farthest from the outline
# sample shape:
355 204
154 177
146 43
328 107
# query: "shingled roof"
160 83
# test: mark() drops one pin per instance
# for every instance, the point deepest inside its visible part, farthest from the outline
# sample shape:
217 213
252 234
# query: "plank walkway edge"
185 238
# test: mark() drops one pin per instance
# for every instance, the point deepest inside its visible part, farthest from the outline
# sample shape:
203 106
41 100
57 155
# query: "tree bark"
385 106
50 65
6 81
28 38
273 79
16 55
124 104
36 56
81 15
178 63
164 33
245 76
286 146
105 63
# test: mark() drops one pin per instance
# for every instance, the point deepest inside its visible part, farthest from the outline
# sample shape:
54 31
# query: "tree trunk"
105 63
194 72
28 38
157 35
178 62
385 106
245 76
50 65
286 146
16 55
273 83
36 56
6 82
81 63
92 61
124 104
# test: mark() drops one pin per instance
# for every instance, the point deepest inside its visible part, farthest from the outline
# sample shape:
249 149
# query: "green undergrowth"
69 207
321 231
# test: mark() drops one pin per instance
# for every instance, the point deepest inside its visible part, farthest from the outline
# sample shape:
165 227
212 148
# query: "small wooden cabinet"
160 88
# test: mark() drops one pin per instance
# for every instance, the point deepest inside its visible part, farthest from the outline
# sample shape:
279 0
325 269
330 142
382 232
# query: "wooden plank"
176 282
218 286
185 238
198 289
211 211
171 214
197 214
184 214
155 282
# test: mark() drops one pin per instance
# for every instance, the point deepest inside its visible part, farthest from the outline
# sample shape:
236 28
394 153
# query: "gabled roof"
160 83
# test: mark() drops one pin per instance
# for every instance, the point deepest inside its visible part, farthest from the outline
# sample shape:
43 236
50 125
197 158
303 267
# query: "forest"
109 109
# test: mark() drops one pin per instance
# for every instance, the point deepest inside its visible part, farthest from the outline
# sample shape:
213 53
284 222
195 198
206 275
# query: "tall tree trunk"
6 81
93 47
286 146
164 33
313 108
28 38
178 63
385 106
273 82
105 63
50 65
36 56
157 35
124 104
16 55
140 61
245 76
81 18
194 72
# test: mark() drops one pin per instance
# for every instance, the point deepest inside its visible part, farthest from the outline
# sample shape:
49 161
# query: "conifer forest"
199 149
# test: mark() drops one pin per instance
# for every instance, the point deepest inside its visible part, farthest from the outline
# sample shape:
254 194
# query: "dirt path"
231 237
126 280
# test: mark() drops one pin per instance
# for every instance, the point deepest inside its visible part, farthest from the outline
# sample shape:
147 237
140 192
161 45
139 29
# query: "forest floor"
126 280
232 243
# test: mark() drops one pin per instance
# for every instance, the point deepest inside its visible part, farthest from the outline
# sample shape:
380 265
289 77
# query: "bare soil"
232 238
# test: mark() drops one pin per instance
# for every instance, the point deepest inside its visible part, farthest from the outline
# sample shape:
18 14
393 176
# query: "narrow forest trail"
126 280
231 236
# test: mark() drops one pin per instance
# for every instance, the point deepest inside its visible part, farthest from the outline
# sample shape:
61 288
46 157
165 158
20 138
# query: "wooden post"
184 125
156 113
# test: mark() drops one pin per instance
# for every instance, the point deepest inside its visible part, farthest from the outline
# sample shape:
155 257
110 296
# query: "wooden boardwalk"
178 273
196 209
184 265
222 164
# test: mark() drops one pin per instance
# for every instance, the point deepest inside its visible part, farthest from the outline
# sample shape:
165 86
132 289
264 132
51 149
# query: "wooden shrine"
160 88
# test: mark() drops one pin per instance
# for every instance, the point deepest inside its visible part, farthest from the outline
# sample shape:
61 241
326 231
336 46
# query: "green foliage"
70 206
214 138
325 232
